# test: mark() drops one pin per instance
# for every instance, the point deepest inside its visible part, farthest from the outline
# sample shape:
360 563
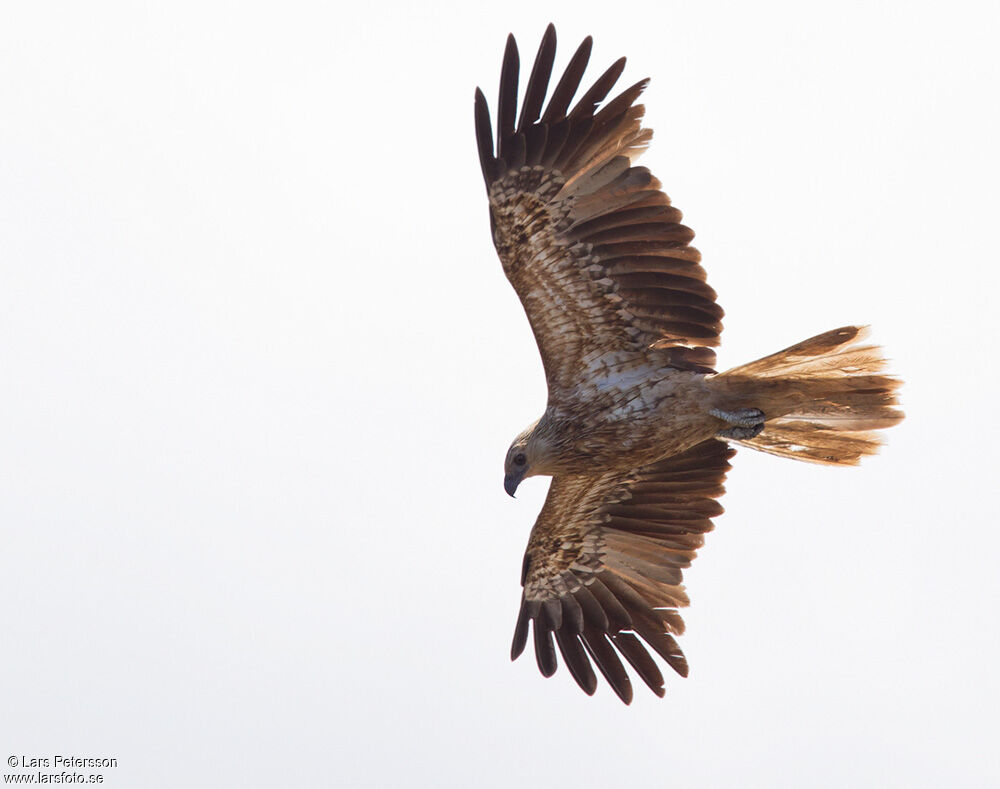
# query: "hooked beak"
511 481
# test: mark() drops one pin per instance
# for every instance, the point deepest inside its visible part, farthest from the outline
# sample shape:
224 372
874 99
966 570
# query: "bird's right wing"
594 249
603 567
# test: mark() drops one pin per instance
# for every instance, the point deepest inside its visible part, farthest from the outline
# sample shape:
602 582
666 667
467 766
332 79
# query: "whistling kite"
637 426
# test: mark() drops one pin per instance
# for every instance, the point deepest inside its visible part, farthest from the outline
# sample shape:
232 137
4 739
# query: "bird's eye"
520 459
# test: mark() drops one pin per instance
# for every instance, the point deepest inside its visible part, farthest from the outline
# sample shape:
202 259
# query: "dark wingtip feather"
568 84
538 82
598 91
663 644
607 661
545 649
576 661
507 99
484 138
520 633
641 661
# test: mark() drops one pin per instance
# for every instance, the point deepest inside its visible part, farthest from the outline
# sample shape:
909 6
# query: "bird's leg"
746 423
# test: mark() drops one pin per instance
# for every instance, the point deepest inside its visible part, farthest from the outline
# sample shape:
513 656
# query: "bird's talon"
741 417
746 423
742 433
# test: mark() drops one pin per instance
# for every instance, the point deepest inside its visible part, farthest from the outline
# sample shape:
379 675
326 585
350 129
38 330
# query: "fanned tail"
823 399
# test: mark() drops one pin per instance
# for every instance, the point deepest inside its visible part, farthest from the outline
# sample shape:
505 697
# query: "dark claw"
742 433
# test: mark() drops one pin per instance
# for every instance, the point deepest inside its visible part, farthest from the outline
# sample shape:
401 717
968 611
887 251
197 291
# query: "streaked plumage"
637 424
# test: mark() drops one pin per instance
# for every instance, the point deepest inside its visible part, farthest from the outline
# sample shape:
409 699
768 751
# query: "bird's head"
525 458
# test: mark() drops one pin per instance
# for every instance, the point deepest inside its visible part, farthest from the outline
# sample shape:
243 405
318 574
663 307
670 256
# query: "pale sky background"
261 366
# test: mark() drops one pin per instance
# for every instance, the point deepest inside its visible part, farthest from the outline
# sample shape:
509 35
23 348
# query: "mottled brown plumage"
637 422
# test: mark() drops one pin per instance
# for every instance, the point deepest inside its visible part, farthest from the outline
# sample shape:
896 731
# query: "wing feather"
637 656
545 651
569 83
534 94
605 560
484 139
596 252
576 660
607 661
598 91
507 97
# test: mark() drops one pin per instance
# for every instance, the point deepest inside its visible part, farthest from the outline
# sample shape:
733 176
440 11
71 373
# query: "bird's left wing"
596 252
603 567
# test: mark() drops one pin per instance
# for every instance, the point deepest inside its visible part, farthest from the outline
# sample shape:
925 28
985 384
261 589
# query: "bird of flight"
638 427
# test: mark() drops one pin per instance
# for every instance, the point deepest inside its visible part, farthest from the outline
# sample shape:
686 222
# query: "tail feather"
823 399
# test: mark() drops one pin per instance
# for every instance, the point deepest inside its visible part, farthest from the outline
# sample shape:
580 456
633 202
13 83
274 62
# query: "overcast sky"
261 367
